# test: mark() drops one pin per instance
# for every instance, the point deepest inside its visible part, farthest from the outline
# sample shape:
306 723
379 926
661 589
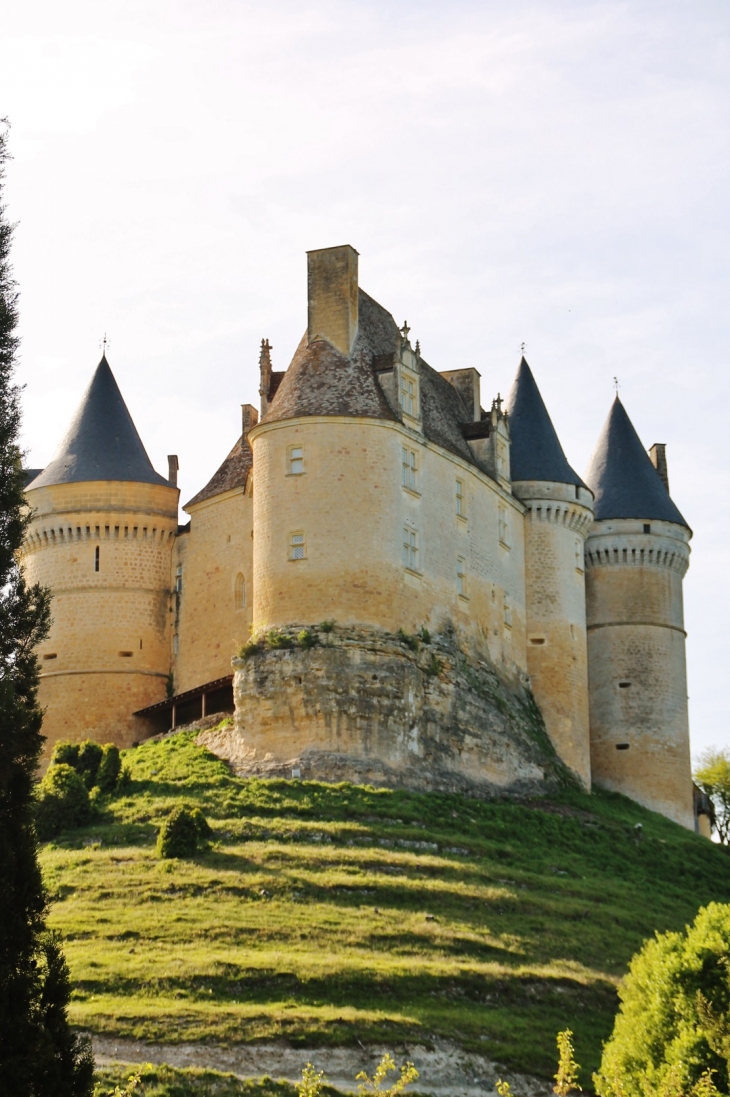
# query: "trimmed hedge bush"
62 802
181 833
110 767
87 767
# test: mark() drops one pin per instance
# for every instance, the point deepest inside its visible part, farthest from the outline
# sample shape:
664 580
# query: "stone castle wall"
636 660
107 654
213 608
353 511
556 521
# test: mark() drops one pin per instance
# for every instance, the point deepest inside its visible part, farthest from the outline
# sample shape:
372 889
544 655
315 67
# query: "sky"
553 173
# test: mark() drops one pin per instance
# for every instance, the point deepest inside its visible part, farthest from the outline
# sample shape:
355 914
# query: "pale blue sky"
553 172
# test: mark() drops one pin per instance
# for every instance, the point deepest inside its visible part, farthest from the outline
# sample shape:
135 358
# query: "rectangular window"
503 527
297 546
178 580
409 395
296 461
409 468
461 576
460 507
410 549
96 558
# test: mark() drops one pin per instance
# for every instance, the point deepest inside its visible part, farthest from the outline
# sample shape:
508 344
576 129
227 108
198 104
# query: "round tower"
557 517
101 539
637 553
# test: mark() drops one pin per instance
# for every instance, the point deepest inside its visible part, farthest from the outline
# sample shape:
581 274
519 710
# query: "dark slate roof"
29 476
102 442
622 477
233 473
322 381
535 450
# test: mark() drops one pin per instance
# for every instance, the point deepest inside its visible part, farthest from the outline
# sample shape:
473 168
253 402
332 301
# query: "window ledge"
461 518
295 475
411 491
464 597
412 571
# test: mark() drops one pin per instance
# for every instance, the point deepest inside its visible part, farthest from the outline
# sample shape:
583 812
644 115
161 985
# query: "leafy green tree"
39 1055
671 1037
713 777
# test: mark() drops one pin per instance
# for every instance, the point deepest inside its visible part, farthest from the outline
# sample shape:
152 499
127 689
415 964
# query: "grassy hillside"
333 914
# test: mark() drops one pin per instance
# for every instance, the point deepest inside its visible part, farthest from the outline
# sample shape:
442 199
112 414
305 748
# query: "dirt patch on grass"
445 1070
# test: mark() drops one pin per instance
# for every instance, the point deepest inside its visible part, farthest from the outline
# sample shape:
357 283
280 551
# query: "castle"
460 557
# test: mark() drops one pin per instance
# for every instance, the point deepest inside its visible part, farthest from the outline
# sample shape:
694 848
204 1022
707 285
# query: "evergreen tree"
39 1054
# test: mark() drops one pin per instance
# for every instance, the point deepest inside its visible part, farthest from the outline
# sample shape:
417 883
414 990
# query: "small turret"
101 538
557 518
637 553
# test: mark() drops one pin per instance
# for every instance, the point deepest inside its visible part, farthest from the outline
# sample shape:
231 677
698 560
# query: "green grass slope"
329 914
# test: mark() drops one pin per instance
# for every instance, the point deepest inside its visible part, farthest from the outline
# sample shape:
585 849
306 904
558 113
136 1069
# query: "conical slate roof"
535 451
102 442
622 477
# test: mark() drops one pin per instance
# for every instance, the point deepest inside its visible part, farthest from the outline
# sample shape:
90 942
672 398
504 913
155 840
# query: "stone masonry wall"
107 654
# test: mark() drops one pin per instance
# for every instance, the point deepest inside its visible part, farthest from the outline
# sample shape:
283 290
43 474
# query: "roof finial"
265 355
418 347
103 345
616 385
404 330
522 348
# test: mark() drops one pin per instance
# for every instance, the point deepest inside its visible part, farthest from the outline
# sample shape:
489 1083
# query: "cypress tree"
39 1054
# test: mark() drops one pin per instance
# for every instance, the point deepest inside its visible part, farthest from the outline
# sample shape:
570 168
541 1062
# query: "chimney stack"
172 466
249 419
658 458
332 292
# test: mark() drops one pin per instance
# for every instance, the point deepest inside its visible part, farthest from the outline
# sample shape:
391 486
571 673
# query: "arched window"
239 592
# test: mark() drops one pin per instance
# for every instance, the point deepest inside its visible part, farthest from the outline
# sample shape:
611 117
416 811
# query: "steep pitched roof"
102 442
322 381
233 473
622 477
535 450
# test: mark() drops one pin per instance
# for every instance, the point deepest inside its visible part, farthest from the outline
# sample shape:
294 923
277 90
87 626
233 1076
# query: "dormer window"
409 395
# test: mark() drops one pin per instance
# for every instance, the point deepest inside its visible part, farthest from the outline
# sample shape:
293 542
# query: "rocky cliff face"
371 707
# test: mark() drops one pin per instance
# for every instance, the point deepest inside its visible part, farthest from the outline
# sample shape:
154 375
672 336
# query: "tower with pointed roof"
101 536
637 554
558 514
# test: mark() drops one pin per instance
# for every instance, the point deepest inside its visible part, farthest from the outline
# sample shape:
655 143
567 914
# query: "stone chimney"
658 458
332 293
172 469
249 419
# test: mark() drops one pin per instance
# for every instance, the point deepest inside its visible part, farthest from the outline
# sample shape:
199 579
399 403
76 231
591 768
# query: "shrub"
277 639
178 835
251 647
110 768
201 823
307 639
62 802
434 666
425 635
409 641
65 754
326 626
89 760
671 1032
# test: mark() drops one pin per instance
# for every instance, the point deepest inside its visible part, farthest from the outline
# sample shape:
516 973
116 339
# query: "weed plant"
341 914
